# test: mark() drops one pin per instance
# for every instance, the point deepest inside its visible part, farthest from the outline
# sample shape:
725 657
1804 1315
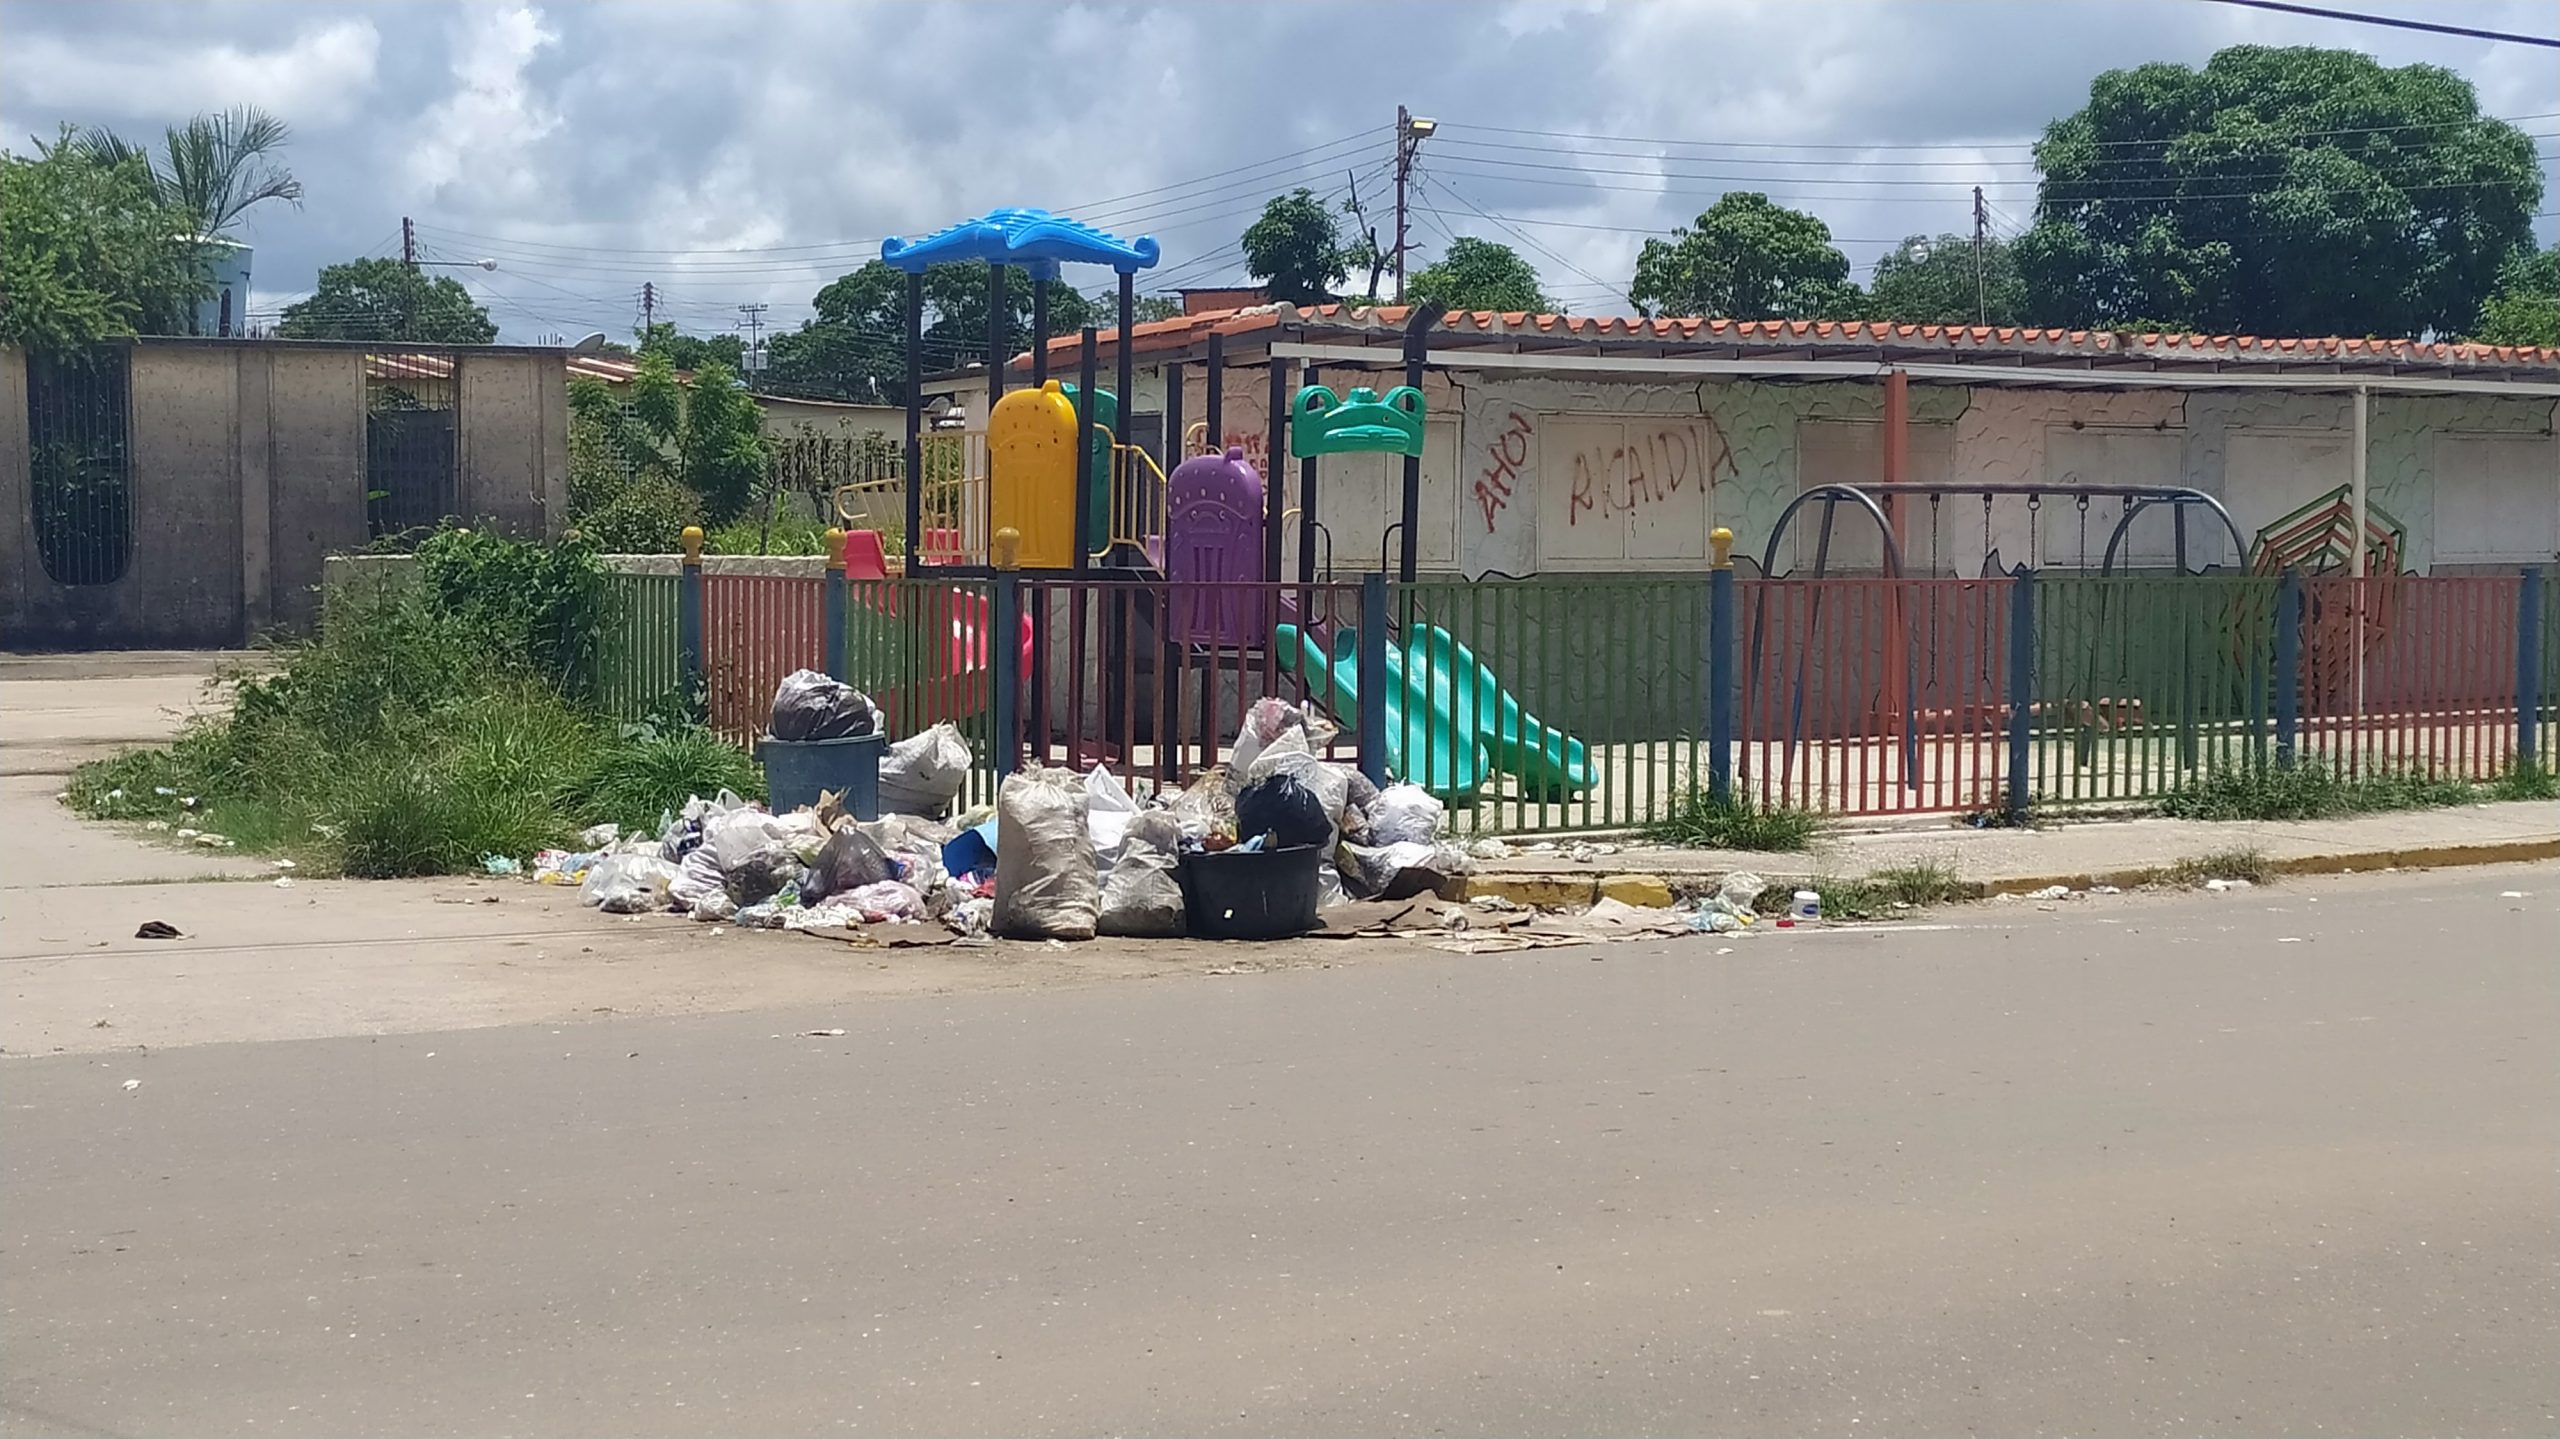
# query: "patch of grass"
2193 871
1883 894
1704 822
402 741
2527 779
2309 791
653 770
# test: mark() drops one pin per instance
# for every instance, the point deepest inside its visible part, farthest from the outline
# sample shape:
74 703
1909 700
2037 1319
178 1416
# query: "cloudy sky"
746 152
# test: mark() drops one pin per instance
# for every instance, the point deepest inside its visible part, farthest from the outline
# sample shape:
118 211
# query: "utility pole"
1981 286
1411 131
408 243
648 308
755 335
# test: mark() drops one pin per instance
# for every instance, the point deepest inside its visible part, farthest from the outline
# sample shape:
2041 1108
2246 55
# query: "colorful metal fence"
1587 704
640 656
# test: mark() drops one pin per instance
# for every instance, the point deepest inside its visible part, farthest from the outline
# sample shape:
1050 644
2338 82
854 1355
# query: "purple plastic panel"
1213 519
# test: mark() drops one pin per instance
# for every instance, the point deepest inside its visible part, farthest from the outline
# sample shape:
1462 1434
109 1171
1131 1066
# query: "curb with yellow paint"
1567 891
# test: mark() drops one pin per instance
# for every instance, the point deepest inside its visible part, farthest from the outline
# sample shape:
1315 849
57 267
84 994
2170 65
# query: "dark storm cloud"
577 143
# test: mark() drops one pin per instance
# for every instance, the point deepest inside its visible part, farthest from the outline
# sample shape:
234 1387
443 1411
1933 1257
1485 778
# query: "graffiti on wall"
1645 468
1508 452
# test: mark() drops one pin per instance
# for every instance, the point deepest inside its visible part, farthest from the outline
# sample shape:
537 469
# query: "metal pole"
1372 720
1125 505
831 602
1417 345
2529 666
1004 651
1039 329
915 417
1084 449
999 308
1170 442
2022 685
689 658
1307 504
1213 407
1273 492
1720 670
1404 171
2288 667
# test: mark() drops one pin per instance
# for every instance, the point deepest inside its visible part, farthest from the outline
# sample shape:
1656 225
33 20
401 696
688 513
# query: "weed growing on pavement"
2526 779
1882 894
423 728
2193 871
1702 821
653 770
2309 791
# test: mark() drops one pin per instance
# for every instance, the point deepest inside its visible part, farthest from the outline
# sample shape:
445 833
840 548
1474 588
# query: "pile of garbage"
1060 855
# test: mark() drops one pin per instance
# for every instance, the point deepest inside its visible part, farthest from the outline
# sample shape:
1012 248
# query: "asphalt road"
2264 1163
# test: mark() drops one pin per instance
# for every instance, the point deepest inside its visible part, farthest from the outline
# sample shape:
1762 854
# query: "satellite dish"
589 344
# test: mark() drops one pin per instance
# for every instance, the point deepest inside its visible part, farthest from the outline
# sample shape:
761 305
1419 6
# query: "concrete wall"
247 470
515 442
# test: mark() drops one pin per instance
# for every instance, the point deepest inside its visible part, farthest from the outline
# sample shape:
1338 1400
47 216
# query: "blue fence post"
1004 649
1720 669
831 602
2529 666
2022 685
2288 675
1372 661
689 660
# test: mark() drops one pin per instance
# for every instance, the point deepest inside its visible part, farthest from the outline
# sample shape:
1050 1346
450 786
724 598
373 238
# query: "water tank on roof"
224 310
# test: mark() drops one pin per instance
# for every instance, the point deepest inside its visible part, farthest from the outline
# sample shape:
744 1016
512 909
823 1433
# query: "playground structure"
1156 567
1147 592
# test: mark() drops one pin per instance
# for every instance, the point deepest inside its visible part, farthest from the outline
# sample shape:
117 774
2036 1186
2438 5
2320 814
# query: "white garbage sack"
1107 812
628 884
1404 814
1140 895
889 899
698 880
1264 723
1045 882
922 773
733 835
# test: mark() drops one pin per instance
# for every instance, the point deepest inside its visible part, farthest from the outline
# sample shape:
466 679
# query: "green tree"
2525 310
1944 281
213 168
2277 192
707 436
387 300
692 352
1745 259
1478 275
855 346
89 251
1158 307
1295 249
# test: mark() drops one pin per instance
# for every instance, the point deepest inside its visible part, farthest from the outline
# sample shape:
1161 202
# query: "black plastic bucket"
1241 894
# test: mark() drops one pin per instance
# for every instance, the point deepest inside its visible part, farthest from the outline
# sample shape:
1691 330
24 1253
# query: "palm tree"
214 168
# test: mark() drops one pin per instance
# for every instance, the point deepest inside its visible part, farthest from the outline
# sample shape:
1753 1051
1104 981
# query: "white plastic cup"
1808 904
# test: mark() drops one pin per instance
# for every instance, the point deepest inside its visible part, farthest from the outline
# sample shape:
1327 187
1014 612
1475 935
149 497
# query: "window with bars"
79 454
412 444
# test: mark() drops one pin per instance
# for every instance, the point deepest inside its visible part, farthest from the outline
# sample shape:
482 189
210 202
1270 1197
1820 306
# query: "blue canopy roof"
1035 239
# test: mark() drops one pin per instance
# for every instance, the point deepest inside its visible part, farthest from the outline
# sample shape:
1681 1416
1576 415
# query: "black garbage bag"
811 706
849 860
1283 807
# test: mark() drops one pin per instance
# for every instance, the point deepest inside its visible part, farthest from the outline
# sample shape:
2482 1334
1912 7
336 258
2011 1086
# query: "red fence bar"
756 630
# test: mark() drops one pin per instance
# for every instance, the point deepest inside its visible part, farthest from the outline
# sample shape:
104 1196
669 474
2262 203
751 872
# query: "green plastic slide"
1445 706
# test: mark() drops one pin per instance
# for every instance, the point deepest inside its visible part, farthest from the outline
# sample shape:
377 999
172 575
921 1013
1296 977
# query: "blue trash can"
796 770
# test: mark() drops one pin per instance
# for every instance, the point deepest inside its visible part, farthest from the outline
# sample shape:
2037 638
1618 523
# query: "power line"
2095 187
2394 22
1944 146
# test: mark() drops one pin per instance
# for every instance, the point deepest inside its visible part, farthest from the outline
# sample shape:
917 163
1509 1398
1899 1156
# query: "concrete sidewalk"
2125 852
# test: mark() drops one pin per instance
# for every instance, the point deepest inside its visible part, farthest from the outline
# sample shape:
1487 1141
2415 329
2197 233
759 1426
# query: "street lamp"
460 264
